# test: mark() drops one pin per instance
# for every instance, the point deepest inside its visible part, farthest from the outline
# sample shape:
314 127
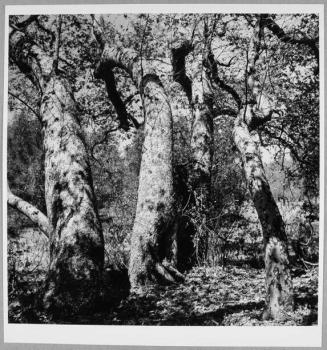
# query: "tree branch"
269 23
57 46
219 82
258 108
48 31
21 26
29 210
179 53
226 64
102 140
98 31
27 105
108 76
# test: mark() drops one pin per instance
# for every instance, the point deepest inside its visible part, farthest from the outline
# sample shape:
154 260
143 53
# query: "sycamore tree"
222 66
179 81
37 46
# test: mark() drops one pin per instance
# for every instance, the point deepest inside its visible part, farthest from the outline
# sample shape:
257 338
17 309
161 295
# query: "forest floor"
215 297
209 296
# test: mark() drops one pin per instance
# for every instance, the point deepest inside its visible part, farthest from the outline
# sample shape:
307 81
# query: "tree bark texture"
257 110
200 99
76 243
76 239
279 289
202 147
181 251
29 210
155 205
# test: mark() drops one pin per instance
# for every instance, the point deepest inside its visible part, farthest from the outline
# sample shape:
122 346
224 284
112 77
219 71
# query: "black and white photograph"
163 168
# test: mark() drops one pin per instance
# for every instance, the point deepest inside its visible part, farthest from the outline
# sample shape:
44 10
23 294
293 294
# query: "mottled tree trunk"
279 289
155 204
76 242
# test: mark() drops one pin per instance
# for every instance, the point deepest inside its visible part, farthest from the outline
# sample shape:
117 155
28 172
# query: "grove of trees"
136 141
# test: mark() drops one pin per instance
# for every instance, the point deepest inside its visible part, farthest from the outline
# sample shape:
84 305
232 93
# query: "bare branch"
226 64
29 210
21 26
220 82
98 31
258 108
211 65
103 139
269 23
27 105
108 76
57 46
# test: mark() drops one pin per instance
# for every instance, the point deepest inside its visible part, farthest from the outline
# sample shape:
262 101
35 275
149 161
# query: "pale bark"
76 243
279 288
29 210
76 239
155 204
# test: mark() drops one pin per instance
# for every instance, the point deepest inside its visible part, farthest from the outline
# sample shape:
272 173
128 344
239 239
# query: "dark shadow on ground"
208 297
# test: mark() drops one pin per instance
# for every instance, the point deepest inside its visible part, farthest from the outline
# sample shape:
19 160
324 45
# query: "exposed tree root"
168 273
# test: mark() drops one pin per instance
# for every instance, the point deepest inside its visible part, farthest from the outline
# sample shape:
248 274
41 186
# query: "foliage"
226 287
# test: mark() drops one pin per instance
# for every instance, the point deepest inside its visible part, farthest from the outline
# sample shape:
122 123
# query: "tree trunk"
200 97
200 174
202 147
182 242
279 289
155 204
181 249
76 242
76 239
